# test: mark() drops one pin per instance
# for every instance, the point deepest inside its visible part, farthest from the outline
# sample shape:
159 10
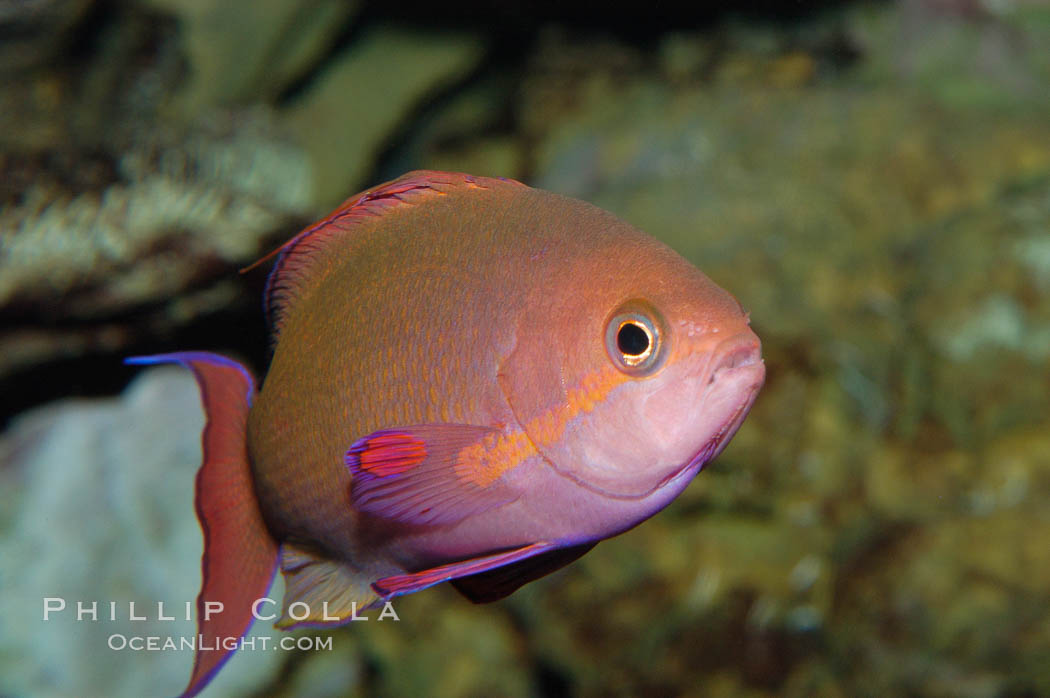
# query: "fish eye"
633 339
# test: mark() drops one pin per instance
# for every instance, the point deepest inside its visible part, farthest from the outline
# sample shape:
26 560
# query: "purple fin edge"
442 573
185 358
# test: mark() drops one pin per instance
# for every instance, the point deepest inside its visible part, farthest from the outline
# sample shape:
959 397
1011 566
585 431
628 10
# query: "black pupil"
632 340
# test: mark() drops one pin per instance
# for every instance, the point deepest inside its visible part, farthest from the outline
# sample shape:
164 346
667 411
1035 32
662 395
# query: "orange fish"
472 380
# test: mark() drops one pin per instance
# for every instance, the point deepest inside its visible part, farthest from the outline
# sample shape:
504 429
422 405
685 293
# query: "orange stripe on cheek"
482 463
594 388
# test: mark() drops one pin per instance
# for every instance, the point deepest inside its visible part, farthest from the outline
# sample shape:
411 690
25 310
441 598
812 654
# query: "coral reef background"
871 180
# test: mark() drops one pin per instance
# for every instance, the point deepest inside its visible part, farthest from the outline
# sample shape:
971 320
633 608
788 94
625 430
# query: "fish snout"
739 355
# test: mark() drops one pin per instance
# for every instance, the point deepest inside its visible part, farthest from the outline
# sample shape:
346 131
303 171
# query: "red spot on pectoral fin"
389 587
240 556
387 453
413 475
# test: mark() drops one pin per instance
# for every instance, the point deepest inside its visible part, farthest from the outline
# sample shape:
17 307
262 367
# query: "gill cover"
568 381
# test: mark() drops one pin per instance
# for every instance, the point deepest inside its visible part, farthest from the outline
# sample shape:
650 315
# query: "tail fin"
240 556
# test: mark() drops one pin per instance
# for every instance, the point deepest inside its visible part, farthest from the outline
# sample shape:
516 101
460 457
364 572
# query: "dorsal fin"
296 257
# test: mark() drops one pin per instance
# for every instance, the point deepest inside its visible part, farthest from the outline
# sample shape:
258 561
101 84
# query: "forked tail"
240 556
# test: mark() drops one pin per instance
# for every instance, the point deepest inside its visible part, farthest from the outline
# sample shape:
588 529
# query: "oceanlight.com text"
161 643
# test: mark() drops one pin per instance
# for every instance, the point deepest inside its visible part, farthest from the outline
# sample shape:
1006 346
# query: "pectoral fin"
430 474
397 585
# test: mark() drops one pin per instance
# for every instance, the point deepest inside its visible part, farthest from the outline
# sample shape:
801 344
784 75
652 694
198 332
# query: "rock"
983 302
246 51
961 54
347 114
498 156
34 31
468 134
88 83
162 199
87 240
98 506
239 180
934 610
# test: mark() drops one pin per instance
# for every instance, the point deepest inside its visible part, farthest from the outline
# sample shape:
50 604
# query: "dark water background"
871 180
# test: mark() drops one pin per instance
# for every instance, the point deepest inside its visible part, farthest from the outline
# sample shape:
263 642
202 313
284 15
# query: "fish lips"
740 371
720 440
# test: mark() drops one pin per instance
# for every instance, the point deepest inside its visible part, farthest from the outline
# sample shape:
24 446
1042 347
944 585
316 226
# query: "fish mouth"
720 440
741 356
741 363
